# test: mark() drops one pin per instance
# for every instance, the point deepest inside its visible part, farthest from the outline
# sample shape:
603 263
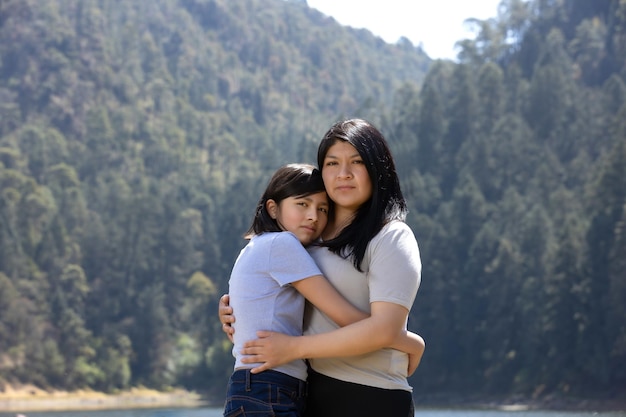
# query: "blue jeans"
267 394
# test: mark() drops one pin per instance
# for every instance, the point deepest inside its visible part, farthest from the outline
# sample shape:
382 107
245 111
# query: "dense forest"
136 137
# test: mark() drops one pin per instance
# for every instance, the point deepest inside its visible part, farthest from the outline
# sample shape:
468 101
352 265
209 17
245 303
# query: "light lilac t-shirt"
261 294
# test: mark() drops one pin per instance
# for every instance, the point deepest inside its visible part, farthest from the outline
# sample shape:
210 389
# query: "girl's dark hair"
292 180
386 203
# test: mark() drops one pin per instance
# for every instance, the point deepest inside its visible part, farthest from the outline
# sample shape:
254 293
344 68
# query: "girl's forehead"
320 195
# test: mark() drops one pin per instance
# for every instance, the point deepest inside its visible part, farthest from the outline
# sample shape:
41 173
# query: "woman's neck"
341 219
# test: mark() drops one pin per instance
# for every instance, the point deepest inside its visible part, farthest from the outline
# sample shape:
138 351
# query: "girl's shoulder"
272 236
278 246
277 239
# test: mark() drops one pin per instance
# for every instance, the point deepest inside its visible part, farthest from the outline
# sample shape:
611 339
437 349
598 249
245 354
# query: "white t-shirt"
261 295
391 273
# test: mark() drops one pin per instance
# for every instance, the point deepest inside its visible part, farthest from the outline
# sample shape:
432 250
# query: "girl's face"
305 217
345 177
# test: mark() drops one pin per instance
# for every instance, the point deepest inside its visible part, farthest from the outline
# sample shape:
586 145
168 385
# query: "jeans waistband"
270 376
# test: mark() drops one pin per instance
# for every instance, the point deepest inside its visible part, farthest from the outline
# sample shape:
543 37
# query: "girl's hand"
414 361
271 348
225 313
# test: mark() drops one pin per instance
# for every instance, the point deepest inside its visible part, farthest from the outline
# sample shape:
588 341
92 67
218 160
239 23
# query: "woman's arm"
381 329
225 312
407 342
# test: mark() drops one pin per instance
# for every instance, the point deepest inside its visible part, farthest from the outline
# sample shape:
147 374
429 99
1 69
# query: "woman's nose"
344 171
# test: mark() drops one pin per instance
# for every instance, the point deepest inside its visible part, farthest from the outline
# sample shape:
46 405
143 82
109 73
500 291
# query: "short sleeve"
289 261
395 267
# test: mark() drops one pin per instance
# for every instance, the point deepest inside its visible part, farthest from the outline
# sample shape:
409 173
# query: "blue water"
217 412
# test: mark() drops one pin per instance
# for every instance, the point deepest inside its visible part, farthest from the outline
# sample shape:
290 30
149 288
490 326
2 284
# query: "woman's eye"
324 210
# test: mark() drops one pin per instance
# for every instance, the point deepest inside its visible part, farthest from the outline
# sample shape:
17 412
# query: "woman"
371 256
270 280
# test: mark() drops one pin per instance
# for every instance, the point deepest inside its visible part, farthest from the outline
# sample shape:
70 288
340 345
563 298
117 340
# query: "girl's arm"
380 330
414 345
318 290
321 293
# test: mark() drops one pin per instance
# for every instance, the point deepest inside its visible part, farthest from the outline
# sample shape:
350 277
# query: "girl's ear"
272 208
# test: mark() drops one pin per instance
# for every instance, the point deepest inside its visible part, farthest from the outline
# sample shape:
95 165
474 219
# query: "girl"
268 280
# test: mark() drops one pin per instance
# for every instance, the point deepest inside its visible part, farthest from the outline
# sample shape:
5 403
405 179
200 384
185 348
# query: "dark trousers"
329 397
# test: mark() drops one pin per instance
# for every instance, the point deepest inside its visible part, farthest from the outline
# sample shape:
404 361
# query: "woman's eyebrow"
355 155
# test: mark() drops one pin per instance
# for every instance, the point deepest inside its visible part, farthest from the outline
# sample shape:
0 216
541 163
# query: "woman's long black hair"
386 203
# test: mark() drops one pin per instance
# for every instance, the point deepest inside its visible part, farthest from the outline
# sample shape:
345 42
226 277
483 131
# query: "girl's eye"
330 163
301 203
323 209
357 161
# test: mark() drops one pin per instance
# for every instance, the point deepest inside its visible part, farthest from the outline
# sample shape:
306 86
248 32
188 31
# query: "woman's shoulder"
396 226
393 231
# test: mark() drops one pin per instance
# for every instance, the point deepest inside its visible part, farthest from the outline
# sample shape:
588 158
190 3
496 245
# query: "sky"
435 24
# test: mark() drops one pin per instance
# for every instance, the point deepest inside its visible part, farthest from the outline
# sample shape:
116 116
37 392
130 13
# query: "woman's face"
345 176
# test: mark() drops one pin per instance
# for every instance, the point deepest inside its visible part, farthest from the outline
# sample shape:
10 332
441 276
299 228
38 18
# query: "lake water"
217 412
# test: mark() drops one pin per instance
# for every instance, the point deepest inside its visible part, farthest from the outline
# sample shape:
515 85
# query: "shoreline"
550 402
30 398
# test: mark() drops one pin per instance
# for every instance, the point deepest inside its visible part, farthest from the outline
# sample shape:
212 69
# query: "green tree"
463 122
432 126
491 96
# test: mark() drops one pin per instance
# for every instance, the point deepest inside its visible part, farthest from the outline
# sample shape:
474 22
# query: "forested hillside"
136 136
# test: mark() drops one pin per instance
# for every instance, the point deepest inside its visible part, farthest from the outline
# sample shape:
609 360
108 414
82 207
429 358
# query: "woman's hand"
271 348
225 313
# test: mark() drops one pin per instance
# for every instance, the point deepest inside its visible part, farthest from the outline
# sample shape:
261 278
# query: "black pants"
329 397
